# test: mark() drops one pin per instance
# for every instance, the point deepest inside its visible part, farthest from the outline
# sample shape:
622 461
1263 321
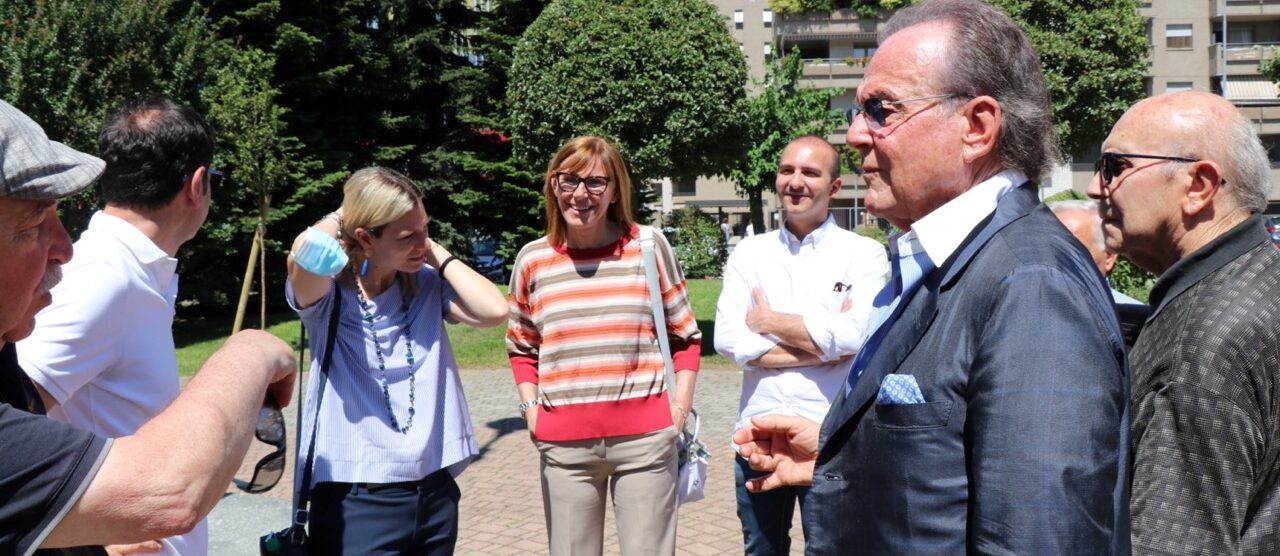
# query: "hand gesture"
786 447
760 314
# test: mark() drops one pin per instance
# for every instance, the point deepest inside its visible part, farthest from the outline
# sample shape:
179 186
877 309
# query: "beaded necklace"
382 364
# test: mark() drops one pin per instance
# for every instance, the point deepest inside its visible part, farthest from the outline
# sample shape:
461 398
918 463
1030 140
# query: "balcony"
836 25
834 72
1242 59
1246 9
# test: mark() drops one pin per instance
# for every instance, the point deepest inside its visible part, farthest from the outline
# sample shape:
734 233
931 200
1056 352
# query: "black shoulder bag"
292 540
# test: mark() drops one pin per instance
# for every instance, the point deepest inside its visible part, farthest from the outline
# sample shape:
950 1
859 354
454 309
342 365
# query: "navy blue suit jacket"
1021 446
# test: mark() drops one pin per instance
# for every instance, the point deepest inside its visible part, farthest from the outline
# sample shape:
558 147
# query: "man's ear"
1206 182
197 187
1108 263
836 184
982 127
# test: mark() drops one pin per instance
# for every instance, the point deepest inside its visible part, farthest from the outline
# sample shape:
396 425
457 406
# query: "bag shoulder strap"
302 496
655 300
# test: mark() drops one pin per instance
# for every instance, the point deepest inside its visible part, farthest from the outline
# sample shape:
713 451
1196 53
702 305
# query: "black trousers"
416 517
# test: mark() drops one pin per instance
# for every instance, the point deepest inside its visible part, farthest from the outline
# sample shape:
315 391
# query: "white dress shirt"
104 348
817 278
942 231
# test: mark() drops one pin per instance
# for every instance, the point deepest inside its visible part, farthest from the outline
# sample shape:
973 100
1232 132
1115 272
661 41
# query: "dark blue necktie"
908 273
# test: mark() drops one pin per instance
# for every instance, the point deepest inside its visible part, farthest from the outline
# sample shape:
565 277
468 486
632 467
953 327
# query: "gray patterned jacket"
1206 403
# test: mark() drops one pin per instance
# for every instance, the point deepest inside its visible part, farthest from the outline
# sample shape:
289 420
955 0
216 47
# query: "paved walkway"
501 509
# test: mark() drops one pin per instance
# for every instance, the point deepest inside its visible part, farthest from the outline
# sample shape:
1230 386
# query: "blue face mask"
320 254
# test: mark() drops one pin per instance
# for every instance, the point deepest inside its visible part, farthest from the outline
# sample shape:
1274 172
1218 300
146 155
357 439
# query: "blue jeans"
415 517
766 516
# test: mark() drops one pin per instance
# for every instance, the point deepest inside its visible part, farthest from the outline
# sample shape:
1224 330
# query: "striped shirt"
581 328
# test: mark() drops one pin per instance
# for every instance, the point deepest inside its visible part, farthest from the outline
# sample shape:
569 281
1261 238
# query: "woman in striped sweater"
584 350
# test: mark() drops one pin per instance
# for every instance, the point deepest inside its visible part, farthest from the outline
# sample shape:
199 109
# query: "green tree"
267 177
781 111
362 83
662 78
698 243
1093 53
495 195
66 64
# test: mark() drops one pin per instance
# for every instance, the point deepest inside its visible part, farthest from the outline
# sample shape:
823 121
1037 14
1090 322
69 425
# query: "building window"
767 17
684 188
1240 35
1177 35
738 18
768 49
1178 86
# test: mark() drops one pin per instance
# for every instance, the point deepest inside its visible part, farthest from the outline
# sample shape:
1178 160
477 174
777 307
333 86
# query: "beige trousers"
640 474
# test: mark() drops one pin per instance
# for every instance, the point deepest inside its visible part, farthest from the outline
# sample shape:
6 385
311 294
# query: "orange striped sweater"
581 328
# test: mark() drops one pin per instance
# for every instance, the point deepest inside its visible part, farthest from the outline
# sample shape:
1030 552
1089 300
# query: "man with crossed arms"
793 308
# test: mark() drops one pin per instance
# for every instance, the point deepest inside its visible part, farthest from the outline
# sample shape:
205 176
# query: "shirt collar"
942 231
1205 260
137 242
815 237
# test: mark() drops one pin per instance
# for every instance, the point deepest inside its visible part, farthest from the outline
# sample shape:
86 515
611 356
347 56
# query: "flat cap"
35 168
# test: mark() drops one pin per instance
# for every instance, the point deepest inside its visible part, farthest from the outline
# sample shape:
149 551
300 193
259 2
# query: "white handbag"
693 453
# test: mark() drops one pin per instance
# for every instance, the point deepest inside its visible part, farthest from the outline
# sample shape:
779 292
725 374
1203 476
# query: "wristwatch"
525 405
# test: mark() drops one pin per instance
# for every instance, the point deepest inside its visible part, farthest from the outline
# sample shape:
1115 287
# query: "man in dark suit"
1182 179
987 413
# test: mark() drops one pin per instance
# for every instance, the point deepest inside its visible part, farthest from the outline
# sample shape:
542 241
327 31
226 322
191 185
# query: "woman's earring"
364 268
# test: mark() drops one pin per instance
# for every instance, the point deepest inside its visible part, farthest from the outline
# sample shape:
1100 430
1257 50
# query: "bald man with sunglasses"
1181 182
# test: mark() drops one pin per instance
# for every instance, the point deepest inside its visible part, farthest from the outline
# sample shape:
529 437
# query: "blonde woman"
393 428
582 345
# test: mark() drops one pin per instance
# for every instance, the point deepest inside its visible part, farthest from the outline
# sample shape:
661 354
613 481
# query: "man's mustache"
51 278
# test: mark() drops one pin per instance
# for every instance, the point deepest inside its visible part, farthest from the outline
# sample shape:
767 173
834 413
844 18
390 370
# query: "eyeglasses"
873 110
568 183
215 177
270 429
1110 165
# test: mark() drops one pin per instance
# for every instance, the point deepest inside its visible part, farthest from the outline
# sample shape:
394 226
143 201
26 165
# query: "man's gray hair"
1246 165
1234 145
1087 206
988 54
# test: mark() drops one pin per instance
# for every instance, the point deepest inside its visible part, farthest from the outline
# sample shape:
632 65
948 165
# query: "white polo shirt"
816 278
104 348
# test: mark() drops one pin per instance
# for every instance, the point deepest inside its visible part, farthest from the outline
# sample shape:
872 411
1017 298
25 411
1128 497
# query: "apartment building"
1187 53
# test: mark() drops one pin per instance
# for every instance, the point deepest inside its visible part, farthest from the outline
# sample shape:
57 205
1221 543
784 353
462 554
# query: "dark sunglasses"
568 183
270 429
873 109
1109 165
215 177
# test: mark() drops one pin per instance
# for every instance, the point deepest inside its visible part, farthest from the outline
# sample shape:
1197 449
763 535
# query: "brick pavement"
501 508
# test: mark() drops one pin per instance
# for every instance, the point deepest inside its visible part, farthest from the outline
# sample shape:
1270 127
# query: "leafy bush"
698 243
873 232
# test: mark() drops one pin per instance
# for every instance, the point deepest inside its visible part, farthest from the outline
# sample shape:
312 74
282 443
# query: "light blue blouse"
356 442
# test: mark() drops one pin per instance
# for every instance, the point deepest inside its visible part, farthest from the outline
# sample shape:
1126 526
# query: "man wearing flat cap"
62 487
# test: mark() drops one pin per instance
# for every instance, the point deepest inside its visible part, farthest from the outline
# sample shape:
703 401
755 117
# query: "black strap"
302 496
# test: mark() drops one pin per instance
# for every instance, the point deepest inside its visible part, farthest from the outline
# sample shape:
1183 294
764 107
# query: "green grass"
474 348
197 338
